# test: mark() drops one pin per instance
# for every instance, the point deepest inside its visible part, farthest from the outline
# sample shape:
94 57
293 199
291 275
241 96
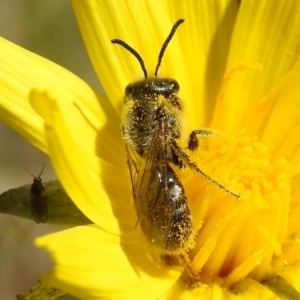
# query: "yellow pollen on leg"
234 237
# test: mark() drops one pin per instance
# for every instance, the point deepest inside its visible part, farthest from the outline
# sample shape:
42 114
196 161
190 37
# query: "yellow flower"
244 247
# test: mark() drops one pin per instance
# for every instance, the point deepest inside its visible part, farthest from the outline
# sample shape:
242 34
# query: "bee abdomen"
167 220
181 219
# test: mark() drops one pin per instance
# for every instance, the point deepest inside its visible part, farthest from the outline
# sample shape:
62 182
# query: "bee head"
36 179
151 88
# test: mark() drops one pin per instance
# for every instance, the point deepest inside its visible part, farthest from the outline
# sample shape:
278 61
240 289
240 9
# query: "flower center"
237 237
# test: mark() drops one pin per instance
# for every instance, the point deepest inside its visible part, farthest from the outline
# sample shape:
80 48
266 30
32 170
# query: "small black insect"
151 125
38 197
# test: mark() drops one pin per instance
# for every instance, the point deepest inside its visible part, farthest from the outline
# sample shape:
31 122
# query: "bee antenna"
166 43
29 172
41 171
132 51
34 175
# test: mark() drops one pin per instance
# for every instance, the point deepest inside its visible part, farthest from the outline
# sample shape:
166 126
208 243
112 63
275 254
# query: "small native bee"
151 125
39 206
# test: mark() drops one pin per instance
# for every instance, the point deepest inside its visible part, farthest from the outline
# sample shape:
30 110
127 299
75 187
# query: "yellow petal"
85 177
231 111
284 138
247 289
21 71
92 264
204 46
265 34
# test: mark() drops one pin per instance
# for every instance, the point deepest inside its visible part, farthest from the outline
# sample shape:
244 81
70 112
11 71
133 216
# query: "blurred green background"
49 29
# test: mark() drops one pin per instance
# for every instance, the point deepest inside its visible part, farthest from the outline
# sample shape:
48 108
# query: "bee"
151 126
38 197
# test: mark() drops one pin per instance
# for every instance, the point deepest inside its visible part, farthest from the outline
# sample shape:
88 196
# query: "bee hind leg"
189 162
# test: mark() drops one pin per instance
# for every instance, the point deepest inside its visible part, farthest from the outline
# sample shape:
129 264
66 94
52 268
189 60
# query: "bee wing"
152 176
147 171
159 197
134 162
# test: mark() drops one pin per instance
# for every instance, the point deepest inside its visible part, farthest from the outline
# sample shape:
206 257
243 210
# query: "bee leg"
177 160
189 162
193 141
